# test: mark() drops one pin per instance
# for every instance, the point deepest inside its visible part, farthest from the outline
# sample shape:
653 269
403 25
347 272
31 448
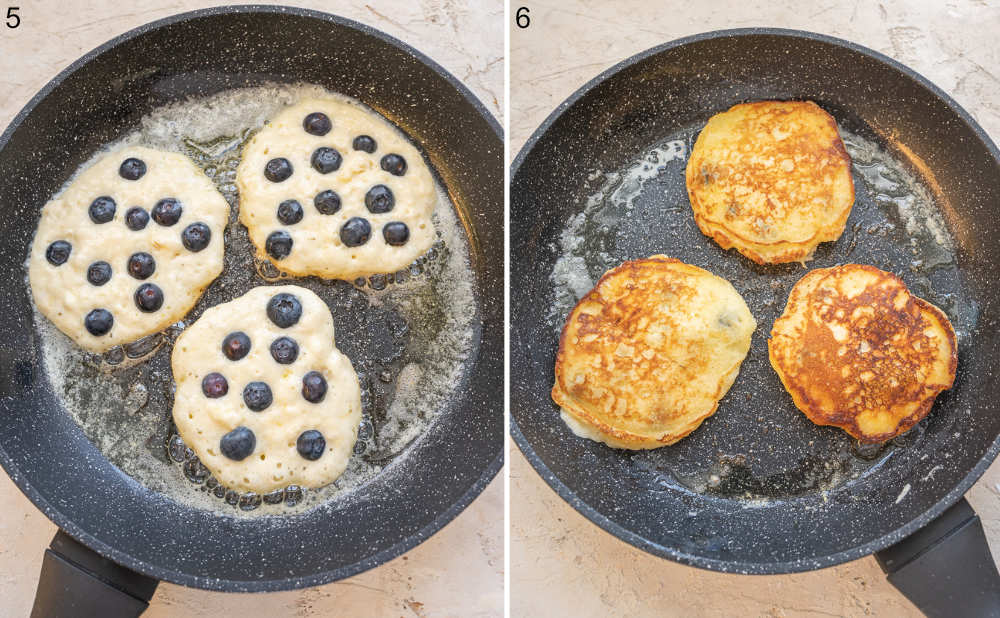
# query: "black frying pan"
758 488
100 98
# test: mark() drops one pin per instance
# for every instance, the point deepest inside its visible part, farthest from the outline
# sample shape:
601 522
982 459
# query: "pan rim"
63 521
749 568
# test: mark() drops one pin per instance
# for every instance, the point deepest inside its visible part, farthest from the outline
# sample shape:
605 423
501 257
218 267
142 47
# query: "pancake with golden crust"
647 354
772 179
856 350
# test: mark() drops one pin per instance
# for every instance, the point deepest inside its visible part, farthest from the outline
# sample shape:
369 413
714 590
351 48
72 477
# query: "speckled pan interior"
101 98
758 488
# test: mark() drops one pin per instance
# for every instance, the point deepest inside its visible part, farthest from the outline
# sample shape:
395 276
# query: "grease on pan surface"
771 179
856 350
647 354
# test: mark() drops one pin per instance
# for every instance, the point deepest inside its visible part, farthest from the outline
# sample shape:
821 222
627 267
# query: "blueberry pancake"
772 179
647 354
128 248
264 397
330 189
857 351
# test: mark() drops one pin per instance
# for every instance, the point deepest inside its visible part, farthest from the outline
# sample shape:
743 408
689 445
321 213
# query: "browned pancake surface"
856 350
771 179
646 355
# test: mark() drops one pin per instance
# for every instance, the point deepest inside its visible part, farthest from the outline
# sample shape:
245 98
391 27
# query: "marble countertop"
458 571
561 564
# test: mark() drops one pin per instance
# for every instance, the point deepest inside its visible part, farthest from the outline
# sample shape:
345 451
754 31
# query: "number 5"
12 15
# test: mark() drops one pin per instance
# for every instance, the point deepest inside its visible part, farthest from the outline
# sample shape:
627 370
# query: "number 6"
522 19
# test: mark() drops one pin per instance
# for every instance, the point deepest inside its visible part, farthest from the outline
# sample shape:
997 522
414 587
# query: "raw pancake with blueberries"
128 248
330 189
647 354
772 179
856 350
264 397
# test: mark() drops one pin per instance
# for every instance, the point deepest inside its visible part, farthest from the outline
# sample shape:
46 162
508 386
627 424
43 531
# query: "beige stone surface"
560 563
457 572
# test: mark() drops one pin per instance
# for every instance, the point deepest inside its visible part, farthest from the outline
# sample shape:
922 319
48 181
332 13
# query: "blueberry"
284 350
148 297
355 232
257 396
132 169
141 265
167 211
196 237
102 209
379 199
278 170
365 143
58 252
284 309
98 322
317 123
327 202
99 273
238 443
311 444
290 212
325 160
214 385
136 218
396 233
394 164
236 345
313 387
278 244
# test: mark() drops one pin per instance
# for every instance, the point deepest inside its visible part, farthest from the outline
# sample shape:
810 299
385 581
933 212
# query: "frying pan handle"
946 568
77 582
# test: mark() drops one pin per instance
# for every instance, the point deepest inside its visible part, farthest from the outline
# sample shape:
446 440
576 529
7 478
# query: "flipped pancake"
772 179
647 354
856 350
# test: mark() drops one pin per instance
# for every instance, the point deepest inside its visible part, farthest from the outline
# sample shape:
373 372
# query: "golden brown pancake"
772 179
647 354
856 350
